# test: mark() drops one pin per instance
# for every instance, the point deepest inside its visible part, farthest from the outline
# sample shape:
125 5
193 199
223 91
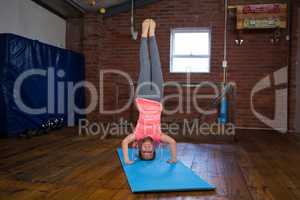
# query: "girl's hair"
140 147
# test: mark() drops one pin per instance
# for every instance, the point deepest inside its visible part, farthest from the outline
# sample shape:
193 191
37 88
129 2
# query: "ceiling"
76 8
60 7
86 4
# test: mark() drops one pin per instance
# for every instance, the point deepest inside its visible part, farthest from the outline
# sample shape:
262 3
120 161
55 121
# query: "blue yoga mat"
160 176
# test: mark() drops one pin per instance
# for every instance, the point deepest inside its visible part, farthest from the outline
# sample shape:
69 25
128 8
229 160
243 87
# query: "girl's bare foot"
152 28
145 28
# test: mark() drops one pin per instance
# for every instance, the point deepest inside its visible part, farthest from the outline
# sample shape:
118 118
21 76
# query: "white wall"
26 18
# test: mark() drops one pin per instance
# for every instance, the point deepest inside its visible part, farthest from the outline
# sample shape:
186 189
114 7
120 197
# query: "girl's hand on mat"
134 144
129 162
171 161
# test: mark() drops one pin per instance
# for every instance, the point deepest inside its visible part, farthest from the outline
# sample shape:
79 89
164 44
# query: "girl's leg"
145 74
156 69
143 87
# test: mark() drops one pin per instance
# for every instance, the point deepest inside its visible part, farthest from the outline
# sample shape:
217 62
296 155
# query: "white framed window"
190 50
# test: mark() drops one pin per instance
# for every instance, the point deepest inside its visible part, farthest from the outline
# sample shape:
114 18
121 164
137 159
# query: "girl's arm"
130 138
167 139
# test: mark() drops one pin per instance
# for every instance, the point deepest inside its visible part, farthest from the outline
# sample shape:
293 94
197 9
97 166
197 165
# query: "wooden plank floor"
65 166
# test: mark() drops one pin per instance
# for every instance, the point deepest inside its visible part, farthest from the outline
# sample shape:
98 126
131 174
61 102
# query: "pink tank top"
148 124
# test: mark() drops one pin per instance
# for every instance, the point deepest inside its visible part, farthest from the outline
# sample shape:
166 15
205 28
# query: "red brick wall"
292 72
74 34
107 44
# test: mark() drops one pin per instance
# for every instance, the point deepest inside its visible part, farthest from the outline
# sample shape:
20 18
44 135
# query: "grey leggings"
150 82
